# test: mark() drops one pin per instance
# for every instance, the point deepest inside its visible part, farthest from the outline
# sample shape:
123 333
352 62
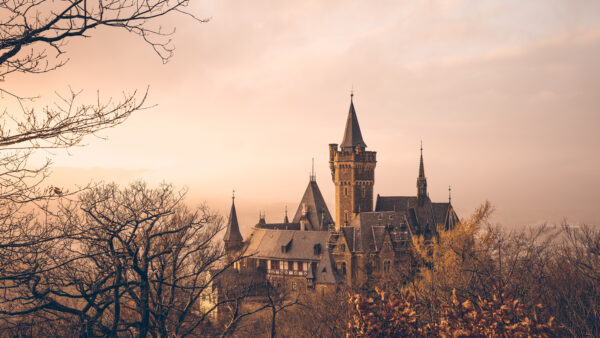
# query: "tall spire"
421 180
232 237
421 166
449 195
352 134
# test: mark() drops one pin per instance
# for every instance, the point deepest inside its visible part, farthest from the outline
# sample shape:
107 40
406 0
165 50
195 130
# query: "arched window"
387 264
344 268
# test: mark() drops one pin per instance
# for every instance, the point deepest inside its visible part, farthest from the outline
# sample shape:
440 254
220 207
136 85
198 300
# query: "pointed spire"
352 134
232 234
449 195
421 180
421 166
286 219
313 176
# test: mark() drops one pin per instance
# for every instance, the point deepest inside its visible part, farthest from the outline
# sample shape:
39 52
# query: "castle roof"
299 245
294 245
313 202
232 233
352 134
420 216
367 230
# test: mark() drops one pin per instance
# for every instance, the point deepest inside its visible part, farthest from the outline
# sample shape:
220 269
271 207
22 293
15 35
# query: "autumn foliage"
388 315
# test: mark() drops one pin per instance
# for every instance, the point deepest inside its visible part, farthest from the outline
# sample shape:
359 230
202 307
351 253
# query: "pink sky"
504 94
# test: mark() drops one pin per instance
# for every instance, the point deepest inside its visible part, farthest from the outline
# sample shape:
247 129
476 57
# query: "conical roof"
232 233
421 166
352 134
317 211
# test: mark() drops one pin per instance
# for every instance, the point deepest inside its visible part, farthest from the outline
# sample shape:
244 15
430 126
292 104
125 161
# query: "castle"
363 243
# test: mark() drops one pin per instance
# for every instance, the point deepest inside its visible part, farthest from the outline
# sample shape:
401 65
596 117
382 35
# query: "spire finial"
449 194
352 93
421 147
313 176
233 194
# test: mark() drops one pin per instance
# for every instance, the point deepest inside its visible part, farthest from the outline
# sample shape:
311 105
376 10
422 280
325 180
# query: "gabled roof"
352 134
317 212
267 243
352 237
232 234
295 245
326 272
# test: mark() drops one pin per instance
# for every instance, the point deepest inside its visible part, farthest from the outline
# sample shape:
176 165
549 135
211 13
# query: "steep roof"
317 212
300 245
352 134
295 245
232 234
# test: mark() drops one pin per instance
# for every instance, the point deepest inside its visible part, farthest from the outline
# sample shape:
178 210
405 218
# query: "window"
275 265
291 266
300 266
344 268
317 249
342 247
346 191
364 190
386 266
294 286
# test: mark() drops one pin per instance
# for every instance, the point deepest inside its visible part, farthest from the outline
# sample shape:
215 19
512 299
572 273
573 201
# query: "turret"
233 238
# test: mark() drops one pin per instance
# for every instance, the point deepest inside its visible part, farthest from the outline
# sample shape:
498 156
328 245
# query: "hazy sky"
504 94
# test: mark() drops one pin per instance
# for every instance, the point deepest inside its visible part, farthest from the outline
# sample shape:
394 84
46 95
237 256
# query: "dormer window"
317 249
287 247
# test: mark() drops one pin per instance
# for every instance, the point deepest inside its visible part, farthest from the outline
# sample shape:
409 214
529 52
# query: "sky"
505 96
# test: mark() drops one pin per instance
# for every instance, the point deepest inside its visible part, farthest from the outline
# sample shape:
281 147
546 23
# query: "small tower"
421 181
233 238
352 171
451 218
286 220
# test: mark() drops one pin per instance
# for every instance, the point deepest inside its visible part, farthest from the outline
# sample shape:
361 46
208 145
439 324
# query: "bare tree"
33 40
132 260
33 37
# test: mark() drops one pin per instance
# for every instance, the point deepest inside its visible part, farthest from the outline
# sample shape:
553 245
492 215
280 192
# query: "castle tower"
352 171
421 182
233 238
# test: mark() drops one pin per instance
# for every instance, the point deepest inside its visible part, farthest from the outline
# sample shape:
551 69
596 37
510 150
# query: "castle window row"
283 267
356 182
